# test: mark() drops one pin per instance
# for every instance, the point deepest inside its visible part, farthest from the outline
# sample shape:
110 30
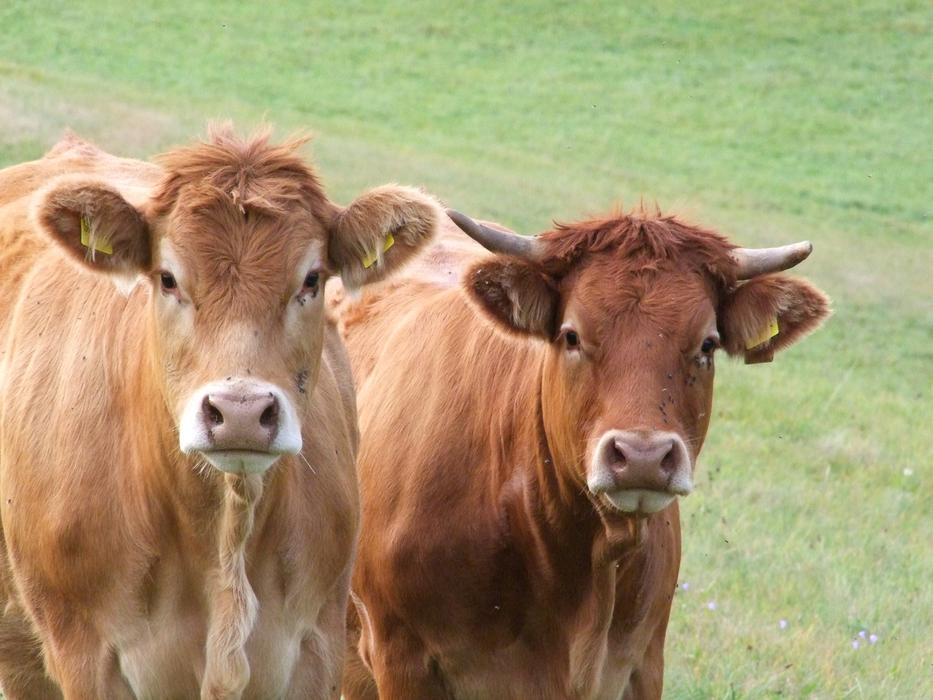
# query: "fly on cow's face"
301 381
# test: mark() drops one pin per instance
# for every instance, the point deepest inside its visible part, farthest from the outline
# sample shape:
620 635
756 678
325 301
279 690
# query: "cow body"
544 600
131 568
487 566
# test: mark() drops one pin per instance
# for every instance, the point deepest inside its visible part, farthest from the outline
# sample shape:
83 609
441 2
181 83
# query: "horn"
751 262
527 247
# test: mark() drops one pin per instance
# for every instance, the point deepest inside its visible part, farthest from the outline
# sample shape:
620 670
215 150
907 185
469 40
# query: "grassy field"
773 121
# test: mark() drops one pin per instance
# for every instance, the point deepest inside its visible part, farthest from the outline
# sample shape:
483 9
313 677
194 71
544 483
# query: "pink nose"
236 421
650 460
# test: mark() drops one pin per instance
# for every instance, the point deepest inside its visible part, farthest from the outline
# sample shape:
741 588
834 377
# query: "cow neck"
563 506
215 512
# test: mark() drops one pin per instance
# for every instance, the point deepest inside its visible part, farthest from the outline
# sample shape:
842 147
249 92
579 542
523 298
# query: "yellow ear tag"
766 335
101 245
370 258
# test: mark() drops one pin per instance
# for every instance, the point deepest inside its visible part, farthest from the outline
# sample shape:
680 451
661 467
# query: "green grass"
772 121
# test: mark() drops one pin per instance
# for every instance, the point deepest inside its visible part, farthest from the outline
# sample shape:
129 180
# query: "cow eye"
168 281
709 345
572 339
311 281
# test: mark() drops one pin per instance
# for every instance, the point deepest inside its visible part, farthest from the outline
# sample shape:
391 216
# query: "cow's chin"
241 462
639 501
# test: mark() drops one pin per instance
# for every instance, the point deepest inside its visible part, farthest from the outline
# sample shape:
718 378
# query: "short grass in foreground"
771 121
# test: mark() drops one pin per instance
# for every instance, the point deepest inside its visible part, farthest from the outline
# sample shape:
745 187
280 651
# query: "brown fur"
405 212
640 240
515 294
486 568
252 176
111 220
799 307
126 567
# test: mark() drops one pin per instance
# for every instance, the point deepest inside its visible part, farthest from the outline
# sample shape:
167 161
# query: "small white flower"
873 639
908 471
855 644
783 624
863 634
685 585
711 605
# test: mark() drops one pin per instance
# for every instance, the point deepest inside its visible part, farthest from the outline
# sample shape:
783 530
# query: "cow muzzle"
640 471
240 426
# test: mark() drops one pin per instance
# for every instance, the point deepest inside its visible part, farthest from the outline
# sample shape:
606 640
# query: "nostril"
618 452
270 416
211 412
669 462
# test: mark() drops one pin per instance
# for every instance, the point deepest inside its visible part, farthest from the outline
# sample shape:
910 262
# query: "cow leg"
404 671
82 664
22 669
317 674
410 683
76 675
22 672
400 668
358 682
647 680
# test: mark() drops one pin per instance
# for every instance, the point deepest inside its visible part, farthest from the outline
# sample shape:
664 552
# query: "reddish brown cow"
526 435
177 483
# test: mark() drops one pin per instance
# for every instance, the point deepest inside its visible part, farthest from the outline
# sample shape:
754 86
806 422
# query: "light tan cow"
177 484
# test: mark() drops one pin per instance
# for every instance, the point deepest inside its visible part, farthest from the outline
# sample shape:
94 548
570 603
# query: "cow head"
634 309
235 246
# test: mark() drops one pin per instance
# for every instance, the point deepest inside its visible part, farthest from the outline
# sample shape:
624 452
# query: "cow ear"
380 231
770 313
518 295
94 224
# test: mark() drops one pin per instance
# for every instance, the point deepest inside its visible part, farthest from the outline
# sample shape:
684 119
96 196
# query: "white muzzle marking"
241 461
640 471
640 500
195 433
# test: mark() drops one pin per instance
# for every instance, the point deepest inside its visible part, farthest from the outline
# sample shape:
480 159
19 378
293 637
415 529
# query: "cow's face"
630 374
236 246
634 311
238 313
